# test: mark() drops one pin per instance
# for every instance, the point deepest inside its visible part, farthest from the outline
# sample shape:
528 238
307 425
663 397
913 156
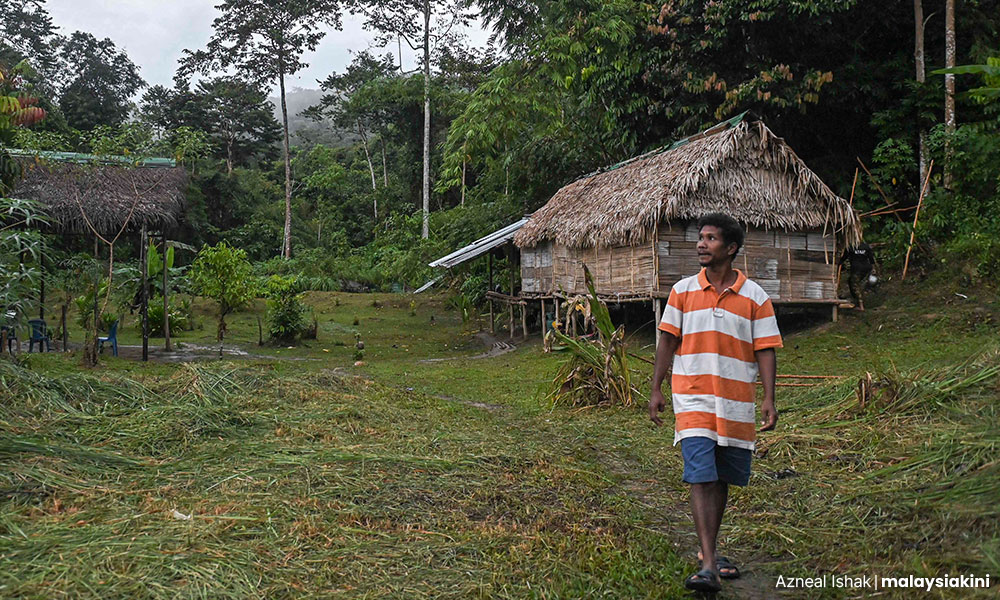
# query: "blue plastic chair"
40 334
112 339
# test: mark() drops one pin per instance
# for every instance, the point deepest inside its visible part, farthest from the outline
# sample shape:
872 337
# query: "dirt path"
496 346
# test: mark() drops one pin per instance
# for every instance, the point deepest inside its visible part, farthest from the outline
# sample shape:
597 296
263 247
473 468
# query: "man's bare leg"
708 504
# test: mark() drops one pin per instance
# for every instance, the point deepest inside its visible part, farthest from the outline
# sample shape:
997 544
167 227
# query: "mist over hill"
304 131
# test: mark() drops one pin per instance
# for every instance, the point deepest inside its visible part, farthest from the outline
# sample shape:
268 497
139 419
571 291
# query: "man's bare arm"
768 363
661 367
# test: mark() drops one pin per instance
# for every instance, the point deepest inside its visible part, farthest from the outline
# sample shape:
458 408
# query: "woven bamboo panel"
536 268
624 270
789 266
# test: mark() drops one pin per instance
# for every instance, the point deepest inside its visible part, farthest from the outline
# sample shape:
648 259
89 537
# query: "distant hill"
306 132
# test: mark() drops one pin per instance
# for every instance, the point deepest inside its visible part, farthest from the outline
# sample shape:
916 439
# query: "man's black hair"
731 230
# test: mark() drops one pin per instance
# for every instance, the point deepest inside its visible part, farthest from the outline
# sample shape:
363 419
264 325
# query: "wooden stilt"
510 326
657 315
836 313
524 320
489 284
541 317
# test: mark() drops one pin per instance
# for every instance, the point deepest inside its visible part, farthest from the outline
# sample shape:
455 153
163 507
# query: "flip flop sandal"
705 580
722 563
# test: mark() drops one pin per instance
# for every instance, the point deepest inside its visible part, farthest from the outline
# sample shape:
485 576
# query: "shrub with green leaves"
286 314
598 371
224 274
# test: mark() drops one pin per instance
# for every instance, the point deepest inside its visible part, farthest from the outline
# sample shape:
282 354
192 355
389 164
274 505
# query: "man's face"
712 251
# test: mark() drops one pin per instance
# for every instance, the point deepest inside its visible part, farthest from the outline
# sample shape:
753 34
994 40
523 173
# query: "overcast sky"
154 32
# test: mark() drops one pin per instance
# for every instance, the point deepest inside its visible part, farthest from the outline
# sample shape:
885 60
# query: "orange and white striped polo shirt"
715 367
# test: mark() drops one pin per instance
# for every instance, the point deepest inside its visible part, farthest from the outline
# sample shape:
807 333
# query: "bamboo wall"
789 266
549 268
536 269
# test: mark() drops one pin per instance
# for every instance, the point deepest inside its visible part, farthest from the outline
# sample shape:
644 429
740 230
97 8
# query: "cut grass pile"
317 485
905 482
302 480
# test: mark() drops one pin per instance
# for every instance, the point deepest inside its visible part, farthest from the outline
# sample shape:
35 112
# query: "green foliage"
286 314
102 80
223 274
598 372
180 316
21 251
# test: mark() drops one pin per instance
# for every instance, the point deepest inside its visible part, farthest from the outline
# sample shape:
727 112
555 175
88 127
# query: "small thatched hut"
84 194
110 191
633 224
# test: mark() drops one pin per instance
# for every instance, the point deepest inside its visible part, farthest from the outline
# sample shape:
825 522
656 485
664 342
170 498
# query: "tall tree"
264 41
101 80
28 33
410 21
949 85
349 107
239 118
921 75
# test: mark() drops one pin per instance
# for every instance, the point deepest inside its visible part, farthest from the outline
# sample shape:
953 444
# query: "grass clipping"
598 372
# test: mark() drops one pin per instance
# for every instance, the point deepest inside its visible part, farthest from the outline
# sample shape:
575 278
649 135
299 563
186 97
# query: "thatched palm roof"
106 192
743 170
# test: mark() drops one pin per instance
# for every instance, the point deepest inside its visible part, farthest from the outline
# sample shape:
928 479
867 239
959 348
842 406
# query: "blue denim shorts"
705 461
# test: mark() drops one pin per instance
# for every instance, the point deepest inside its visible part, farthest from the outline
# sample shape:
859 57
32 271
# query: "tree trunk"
385 168
166 302
229 157
425 232
287 243
463 174
921 76
949 86
368 156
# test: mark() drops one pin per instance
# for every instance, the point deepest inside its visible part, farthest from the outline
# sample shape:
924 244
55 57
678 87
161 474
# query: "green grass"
307 475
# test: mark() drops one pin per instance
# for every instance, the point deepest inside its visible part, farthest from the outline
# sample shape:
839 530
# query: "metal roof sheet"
480 246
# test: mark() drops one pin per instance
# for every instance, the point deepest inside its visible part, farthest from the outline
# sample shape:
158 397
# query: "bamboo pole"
913 232
144 294
166 303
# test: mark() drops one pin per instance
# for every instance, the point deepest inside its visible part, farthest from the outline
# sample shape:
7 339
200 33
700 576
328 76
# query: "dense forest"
388 169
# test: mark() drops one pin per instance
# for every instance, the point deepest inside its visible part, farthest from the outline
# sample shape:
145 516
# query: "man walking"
861 261
719 331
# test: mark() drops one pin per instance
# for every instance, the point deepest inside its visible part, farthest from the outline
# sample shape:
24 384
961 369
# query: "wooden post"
65 336
510 273
542 317
41 290
836 312
913 232
510 325
489 275
144 292
557 317
524 320
657 314
166 293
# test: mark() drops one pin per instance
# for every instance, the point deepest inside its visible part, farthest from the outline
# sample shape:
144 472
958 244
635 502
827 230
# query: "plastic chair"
40 334
112 339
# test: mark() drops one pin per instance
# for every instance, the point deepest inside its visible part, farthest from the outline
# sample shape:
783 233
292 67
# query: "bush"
286 314
180 317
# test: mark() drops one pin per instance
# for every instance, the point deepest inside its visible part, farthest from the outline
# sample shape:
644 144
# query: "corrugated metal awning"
480 246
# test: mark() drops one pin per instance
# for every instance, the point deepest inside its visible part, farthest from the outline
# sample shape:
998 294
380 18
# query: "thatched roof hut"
743 170
106 189
633 224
